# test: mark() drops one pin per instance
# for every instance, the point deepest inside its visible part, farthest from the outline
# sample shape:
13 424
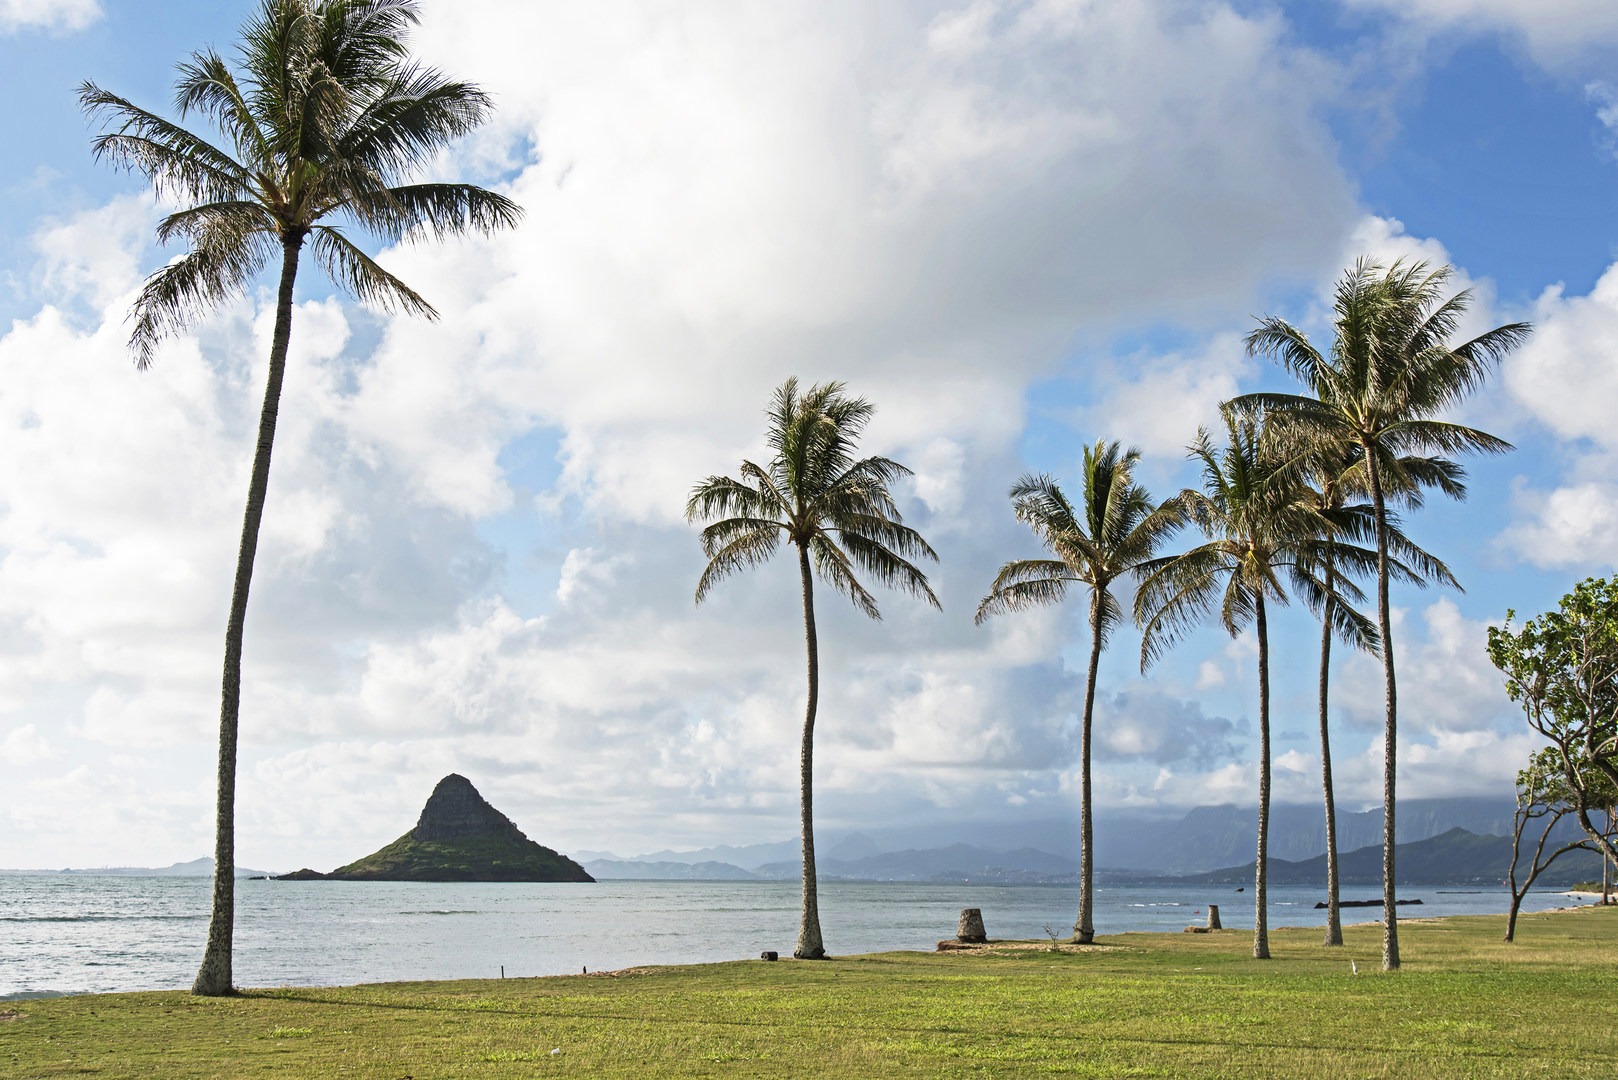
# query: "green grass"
1166 1005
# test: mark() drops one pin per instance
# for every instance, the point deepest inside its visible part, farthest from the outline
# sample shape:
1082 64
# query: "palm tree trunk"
214 977
810 946
1084 931
1261 914
1390 736
1334 921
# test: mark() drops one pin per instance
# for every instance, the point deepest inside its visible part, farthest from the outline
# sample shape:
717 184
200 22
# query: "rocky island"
459 837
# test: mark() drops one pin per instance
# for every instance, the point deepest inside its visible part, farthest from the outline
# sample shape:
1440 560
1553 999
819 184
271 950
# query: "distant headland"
459 837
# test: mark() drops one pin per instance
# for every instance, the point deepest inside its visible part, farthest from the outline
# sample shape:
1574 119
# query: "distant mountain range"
1207 841
1456 857
194 868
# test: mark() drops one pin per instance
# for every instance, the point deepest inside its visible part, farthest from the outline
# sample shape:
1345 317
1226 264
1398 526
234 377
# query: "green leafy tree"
1111 533
840 515
318 122
1562 668
1389 375
1257 529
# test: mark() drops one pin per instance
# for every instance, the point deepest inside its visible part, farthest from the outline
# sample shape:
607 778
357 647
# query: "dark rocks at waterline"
1363 903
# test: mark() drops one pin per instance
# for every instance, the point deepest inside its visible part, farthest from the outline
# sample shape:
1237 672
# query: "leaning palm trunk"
1261 878
214 977
810 946
1334 921
1084 930
1390 738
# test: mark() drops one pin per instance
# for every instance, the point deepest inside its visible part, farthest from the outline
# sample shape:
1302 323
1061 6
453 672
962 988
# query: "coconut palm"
319 120
838 512
1112 531
1257 527
1334 487
1388 376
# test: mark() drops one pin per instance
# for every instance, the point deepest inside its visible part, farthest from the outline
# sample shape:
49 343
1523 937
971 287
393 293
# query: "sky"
1016 226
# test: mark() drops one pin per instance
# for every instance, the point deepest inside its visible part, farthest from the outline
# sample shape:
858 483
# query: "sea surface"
82 933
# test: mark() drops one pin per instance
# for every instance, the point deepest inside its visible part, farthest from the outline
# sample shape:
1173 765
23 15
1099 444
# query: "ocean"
89 934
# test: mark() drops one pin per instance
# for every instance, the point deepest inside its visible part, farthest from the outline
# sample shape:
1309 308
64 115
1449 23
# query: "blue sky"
1016 226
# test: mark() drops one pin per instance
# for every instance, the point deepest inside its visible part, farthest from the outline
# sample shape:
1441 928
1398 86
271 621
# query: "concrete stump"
970 928
1213 917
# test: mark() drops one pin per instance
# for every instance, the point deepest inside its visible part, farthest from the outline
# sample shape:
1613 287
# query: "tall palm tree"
1334 487
1388 376
1256 527
321 117
838 512
1112 531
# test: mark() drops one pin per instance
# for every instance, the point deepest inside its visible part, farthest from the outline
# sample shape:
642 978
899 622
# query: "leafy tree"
1257 527
1543 795
1562 668
1388 376
1112 532
838 512
320 119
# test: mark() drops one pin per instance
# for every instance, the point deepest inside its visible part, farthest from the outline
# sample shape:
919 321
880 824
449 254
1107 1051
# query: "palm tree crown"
321 119
1256 528
816 495
1110 533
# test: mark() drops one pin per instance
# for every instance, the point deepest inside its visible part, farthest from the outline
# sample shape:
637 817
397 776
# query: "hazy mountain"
638 870
1202 839
194 868
957 862
1456 857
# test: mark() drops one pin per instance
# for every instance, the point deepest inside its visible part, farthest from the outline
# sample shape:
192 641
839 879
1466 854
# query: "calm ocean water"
75 934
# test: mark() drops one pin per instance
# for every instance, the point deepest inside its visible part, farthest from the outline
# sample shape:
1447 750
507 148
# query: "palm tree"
1334 478
322 116
1256 526
1111 533
838 512
1389 374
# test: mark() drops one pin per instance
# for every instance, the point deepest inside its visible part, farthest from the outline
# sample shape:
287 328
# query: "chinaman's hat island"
459 837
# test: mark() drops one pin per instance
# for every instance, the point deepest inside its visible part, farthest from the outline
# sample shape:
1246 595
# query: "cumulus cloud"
1146 725
1563 379
54 15
1556 32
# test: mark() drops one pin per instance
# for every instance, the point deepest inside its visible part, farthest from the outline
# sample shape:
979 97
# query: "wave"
441 912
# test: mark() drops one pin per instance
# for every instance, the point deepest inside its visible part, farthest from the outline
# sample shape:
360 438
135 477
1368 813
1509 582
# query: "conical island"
459 837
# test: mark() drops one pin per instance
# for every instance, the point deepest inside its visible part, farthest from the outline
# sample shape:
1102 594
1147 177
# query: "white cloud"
930 208
1556 32
1564 379
24 746
55 15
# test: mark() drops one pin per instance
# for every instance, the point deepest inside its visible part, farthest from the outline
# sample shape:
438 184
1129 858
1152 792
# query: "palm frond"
213 271
362 277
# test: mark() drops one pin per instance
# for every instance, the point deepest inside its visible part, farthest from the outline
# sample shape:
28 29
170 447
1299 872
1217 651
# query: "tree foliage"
1562 669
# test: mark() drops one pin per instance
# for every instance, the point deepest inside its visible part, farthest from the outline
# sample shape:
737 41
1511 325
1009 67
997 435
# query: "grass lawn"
1169 1005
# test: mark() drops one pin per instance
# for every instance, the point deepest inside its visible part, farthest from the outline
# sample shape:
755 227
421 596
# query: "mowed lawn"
1466 1004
